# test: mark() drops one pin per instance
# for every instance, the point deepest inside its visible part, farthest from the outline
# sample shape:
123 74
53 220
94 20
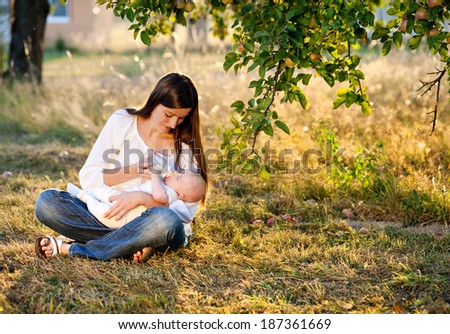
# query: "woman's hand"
149 168
123 202
126 201
143 170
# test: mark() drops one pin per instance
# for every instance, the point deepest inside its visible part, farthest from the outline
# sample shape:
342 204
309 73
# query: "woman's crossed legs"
156 228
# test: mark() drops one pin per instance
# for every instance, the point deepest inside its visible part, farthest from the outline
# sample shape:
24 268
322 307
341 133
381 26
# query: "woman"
168 127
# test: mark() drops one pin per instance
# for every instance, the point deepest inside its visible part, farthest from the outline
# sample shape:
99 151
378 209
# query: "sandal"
54 243
147 252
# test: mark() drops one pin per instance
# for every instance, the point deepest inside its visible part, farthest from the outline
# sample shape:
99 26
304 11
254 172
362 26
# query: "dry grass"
320 263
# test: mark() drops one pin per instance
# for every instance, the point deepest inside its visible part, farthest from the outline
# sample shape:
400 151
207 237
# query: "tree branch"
427 86
272 98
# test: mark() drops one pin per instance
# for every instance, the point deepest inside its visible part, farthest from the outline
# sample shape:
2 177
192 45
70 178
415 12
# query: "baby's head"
189 186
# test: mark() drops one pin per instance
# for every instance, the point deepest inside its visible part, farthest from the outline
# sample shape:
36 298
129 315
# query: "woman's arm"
105 151
118 175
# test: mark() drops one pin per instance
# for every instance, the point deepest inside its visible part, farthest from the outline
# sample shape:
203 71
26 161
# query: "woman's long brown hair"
177 91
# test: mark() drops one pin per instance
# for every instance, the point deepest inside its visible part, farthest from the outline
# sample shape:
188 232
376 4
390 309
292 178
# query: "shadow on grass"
12 131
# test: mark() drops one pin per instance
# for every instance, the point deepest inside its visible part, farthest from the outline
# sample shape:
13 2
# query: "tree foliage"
286 42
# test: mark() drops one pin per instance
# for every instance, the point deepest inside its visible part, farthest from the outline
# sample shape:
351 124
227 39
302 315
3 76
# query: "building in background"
83 24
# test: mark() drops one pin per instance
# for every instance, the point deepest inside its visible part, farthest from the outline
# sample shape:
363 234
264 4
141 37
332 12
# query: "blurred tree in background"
26 49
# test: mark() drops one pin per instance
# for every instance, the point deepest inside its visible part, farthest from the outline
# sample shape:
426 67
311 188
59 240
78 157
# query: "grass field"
388 252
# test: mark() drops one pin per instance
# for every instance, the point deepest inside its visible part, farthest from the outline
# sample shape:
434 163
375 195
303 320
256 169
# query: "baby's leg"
83 195
73 189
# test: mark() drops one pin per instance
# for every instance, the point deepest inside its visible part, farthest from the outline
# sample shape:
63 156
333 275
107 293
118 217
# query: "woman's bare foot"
137 256
143 255
49 247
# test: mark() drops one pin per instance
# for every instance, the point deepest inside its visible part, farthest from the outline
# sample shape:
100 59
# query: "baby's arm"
158 191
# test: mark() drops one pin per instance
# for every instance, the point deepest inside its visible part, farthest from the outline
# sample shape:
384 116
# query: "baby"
187 186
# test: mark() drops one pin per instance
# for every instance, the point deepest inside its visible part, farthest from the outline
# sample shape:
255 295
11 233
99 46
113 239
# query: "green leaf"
252 67
230 59
261 33
268 130
247 8
130 15
386 48
249 46
255 83
281 54
415 42
338 102
283 127
180 18
350 98
302 98
392 11
341 76
443 52
294 12
235 122
355 60
342 91
134 26
269 63
380 32
264 104
274 115
257 115
238 105
306 79
258 91
329 79
366 109
421 29
393 23
231 56
145 38
262 72
265 173
398 39
359 74
237 67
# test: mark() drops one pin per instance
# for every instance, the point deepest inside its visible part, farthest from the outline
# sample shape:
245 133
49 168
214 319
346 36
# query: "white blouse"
119 144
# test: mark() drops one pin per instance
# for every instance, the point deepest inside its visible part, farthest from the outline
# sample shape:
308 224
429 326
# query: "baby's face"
178 181
189 186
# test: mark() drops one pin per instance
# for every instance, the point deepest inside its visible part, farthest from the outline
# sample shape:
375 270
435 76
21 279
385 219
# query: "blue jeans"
157 227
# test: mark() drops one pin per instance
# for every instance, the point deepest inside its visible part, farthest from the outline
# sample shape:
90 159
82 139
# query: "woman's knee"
164 215
166 219
47 204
